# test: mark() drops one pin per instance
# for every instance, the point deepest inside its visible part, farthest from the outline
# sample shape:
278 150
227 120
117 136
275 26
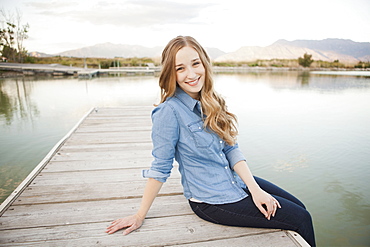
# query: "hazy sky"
57 26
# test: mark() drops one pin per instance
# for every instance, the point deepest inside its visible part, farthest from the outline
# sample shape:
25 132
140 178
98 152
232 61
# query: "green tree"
306 61
12 35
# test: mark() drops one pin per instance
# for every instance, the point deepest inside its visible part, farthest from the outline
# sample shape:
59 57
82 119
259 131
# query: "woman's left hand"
266 203
261 199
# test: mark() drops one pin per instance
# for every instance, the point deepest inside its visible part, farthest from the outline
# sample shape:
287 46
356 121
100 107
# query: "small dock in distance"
61 70
93 176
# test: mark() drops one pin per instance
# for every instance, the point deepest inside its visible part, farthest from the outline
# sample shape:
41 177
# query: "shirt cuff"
161 177
234 156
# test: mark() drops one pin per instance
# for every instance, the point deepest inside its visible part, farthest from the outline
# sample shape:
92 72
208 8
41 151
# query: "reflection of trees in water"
10 177
5 104
304 78
17 104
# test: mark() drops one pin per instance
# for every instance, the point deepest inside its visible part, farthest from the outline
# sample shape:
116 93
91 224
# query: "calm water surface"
308 133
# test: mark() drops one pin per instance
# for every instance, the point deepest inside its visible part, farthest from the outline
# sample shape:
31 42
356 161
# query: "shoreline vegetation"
105 63
218 67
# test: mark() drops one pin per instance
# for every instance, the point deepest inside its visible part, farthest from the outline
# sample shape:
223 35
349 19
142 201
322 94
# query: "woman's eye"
196 63
179 68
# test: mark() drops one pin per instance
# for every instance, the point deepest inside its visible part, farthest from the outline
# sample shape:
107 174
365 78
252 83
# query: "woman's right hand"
133 222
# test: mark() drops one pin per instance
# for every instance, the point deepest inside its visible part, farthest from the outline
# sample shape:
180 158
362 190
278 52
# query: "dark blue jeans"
291 216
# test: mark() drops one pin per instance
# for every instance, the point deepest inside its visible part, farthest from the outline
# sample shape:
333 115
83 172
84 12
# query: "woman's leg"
290 216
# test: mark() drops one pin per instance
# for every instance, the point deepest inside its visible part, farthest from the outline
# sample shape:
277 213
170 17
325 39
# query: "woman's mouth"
194 82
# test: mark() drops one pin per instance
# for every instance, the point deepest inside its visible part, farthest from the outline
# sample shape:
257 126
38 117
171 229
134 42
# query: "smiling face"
190 72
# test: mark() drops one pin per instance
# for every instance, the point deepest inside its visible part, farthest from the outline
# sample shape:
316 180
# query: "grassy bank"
93 63
293 63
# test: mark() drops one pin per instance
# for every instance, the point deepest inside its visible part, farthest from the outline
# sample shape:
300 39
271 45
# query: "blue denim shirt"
205 161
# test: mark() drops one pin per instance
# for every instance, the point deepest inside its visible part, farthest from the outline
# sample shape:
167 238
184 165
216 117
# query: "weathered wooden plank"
121 134
42 215
125 111
136 115
92 192
107 155
276 239
124 123
155 232
107 147
92 177
120 137
114 128
117 119
82 165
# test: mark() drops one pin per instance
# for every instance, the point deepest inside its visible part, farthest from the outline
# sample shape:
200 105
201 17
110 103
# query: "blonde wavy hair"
218 119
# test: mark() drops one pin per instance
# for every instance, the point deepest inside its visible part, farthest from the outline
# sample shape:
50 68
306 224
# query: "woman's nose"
191 73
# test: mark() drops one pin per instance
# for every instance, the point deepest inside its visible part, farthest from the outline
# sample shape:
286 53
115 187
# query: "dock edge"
33 174
297 239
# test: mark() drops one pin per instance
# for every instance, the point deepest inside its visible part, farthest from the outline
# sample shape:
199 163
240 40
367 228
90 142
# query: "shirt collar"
186 99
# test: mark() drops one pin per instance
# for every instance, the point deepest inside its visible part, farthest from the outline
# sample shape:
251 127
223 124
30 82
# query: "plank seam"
89 222
97 170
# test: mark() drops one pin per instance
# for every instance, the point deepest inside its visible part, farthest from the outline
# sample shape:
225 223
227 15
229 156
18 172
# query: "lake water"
308 133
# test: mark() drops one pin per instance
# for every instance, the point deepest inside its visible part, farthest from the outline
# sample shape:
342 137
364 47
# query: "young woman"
192 125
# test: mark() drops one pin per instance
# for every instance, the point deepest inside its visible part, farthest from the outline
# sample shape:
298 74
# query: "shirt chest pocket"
202 138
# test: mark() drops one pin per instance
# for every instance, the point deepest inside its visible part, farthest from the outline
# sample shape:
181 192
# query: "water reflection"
5 105
16 101
304 78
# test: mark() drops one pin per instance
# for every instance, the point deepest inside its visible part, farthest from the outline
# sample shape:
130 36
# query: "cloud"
49 5
138 13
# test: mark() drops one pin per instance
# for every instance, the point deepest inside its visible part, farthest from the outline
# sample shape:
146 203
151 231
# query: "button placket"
221 154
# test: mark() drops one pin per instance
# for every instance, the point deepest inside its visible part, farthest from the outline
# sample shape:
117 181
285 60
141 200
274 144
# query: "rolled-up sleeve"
165 135
233 154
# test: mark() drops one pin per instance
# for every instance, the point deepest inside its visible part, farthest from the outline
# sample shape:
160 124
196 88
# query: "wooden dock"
61 70
93 176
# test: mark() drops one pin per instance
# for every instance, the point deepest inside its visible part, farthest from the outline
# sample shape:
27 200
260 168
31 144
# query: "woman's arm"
133 222
259 196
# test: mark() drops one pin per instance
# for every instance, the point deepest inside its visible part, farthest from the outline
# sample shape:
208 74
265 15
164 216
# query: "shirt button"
233 182
221 155
199 127
226 167
220 141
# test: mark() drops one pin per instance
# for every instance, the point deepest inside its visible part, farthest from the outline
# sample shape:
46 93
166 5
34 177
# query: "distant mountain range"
109 50
344 50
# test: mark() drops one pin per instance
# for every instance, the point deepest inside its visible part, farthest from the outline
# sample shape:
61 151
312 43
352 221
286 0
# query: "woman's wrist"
254 188
140 216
